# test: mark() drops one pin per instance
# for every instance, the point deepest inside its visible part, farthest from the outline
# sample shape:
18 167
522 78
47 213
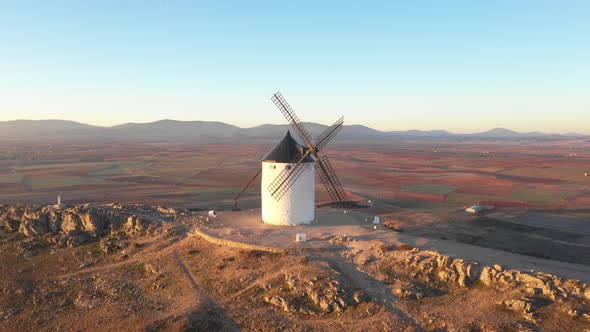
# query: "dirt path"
489 256
202 297
157 251
258 282
378 291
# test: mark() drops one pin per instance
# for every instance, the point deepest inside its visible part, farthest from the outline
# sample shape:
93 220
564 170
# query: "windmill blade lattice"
328 134
283 182
330 180
284 107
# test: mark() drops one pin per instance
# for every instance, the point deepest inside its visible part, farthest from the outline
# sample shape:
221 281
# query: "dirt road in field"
245 227
489 256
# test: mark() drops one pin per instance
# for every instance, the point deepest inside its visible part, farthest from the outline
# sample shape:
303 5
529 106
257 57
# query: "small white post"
300 237
58 200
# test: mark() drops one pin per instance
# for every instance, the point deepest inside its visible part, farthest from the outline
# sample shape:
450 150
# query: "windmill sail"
284 107
328 134
330 180
285 180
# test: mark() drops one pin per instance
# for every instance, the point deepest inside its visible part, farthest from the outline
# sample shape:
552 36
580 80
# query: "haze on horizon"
461 66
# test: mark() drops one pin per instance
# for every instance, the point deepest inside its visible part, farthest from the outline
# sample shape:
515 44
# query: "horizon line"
286 124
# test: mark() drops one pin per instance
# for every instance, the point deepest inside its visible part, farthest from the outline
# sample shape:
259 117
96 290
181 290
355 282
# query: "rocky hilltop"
79 224
136 267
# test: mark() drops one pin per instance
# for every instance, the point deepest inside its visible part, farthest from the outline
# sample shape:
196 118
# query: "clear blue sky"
463 66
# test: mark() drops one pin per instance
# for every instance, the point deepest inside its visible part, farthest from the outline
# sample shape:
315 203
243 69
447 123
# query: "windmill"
288 182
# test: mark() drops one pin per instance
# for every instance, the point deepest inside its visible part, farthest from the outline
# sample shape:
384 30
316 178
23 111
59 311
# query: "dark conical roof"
286 150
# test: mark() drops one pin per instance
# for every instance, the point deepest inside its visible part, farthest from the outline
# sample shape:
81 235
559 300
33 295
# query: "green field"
407 174
10 178
541 196
420 205
469 199
561 173
430 188
63 181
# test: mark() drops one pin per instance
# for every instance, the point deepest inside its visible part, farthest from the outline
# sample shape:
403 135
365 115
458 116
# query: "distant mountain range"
172 130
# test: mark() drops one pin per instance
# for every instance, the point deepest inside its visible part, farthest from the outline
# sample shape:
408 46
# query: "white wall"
297 206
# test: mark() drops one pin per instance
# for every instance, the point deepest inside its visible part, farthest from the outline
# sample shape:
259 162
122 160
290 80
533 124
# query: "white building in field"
474 209
296 206
478 208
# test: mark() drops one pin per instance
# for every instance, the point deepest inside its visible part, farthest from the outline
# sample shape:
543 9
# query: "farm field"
422 175
418 188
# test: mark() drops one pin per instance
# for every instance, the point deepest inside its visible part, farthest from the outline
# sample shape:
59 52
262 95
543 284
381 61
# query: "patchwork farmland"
418 188
422 175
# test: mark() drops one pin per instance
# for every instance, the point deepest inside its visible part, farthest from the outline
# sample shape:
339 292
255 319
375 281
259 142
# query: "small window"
288 167
273 166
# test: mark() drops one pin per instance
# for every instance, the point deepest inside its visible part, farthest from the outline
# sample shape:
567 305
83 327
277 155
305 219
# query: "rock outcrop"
524 306
33 222
458 272
529 287
77 224
443 268
326 294
313 294
10 217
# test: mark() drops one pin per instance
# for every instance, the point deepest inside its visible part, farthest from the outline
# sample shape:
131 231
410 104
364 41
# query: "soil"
350 276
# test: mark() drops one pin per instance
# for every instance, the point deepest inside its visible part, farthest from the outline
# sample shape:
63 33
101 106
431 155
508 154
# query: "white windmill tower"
288 185
296 206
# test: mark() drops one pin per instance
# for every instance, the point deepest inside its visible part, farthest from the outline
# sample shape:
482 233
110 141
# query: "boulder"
33 223
487 276
533 290
10 217
409 293
443 261
280 302
76 240
166 210
109 245
95 222
505 279
473 271
530 280
71 222
134 226
54 221
11 212
524 306
446 276
574 312
468 272
10 225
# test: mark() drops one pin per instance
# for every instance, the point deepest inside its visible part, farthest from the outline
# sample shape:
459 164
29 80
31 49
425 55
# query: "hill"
507 133
173 130
151 268
46 129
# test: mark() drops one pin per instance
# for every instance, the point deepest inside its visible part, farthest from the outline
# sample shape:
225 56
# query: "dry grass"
303 260
385 248
404 247
394 225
